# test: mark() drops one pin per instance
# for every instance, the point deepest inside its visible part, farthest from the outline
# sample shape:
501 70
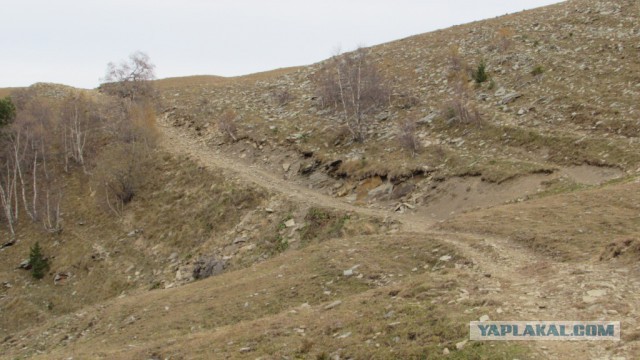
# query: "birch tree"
353 86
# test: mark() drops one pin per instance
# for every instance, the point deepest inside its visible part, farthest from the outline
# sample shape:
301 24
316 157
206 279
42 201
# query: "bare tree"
80 120
352 85
131 79
8 192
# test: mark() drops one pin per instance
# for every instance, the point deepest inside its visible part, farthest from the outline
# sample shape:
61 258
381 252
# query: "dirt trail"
178 142
529 286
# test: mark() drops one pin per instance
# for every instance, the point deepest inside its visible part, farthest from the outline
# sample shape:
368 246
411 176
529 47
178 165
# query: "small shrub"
480 74
460 109
407 137
39 264
120 172
455 62
504 39
282 96
537 70
278 244
227 124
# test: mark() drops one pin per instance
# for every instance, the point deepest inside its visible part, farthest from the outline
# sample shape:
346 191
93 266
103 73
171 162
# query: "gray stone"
381 190
239 240
461 344
60 278
206 267
427 119
25 265
333 305
597 293
510 98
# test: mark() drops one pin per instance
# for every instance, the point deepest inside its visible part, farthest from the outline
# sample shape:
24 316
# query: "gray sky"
71 41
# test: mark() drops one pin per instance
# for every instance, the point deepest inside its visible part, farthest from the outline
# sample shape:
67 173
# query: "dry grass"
576 226
179 208
398 307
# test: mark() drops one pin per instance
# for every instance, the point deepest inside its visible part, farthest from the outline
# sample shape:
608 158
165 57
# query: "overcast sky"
71 41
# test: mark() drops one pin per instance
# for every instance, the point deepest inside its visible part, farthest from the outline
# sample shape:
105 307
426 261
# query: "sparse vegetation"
537 70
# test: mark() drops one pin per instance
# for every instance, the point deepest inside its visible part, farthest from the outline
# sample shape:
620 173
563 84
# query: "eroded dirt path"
527 285
176 141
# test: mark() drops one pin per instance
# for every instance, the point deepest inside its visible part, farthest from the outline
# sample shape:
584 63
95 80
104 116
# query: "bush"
227 124
460 108
39 264
120 172
480 74
407 137
537 70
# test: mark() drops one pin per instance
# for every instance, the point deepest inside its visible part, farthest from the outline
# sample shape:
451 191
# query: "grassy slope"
573 226
565 119
396 307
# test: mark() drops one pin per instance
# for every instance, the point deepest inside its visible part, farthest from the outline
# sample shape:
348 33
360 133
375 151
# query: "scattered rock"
286 167
384 189
402 190
8 243
510 98
333 305
597 293
206 267
484 318
445 258
445 351
427 119
461 344
60 278
348 272
135 232
238 240
25 265
290 223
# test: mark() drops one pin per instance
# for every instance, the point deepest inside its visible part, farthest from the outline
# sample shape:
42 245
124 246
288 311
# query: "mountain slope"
339 249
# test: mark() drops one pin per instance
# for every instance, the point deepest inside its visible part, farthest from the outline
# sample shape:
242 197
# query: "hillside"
263 229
